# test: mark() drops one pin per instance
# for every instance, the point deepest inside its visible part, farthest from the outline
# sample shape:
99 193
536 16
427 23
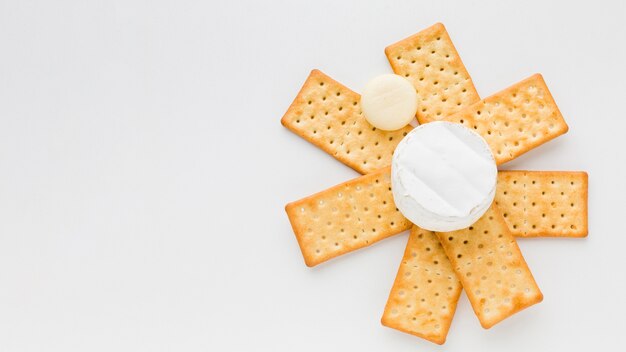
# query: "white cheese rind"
443 176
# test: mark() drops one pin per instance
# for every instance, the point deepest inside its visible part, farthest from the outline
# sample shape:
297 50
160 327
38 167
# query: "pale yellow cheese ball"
389 102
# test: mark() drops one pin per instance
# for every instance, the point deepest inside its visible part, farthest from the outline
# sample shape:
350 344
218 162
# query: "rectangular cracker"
516 192
430 61
515 120
363 205
491 268
328 114
543 203
512 122
426 290
349 216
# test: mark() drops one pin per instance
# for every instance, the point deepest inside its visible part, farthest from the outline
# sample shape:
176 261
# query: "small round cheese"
443 176
389 102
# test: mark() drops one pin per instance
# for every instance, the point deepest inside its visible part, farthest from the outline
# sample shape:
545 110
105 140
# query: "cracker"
430 61
491 268
328 114
426 290
516 119
346 217
366 203
543 203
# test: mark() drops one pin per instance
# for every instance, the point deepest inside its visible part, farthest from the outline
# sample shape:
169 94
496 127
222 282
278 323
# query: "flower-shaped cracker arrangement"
484 258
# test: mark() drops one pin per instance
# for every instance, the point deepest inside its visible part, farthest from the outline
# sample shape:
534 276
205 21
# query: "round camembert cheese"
389 102
443 176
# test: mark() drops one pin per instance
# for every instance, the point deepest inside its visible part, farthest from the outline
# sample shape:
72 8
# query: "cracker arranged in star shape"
483 258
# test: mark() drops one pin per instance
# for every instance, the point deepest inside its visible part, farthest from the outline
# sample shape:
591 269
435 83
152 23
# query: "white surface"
142 190
443 176
389 102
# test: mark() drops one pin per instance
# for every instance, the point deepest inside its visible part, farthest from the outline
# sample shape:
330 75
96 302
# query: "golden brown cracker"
426 290
515 120
328 114
543 203
489 264
430 61
347 207
346 217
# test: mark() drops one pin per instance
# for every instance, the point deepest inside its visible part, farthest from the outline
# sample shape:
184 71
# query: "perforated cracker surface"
328 114
515 120
379 212
489 264
430 61
426 290
346 217
543 203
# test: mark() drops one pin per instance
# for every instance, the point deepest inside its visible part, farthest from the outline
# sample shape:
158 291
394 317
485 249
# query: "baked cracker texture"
491 268
347 207
426 290
346 217
431 63
328 114
543 203
515 120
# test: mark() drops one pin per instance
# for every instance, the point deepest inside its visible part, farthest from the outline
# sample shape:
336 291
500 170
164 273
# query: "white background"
144 171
